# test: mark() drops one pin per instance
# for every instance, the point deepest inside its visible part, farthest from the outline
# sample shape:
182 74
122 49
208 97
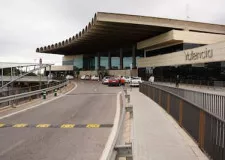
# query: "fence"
27 96
206 129
211 102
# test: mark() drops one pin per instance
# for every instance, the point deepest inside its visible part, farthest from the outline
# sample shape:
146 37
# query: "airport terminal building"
140 45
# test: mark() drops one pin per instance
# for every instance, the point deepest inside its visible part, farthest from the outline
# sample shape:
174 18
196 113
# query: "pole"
2 76
40 78
11 73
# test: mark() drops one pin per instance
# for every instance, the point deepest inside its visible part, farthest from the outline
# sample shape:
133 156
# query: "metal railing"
9 92
22 75
207 129
16 98
213 103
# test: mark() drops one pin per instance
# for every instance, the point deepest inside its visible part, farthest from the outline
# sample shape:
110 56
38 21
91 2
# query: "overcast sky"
28 24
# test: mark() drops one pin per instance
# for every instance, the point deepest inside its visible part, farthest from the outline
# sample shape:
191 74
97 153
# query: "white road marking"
108 147
38 105
12 147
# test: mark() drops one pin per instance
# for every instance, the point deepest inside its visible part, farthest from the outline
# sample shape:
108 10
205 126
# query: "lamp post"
40 65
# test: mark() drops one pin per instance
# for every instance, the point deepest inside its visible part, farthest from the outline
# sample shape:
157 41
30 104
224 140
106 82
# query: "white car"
135 81
69 77
83 77
105 80
95 78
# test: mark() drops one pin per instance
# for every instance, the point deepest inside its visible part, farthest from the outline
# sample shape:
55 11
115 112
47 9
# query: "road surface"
90 103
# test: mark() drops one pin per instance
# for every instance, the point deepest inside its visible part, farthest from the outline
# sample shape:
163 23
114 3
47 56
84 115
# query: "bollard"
44 94
129 108
55 92
128 98
125 90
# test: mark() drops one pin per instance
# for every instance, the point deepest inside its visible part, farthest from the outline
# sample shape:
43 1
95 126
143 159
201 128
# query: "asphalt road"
91 102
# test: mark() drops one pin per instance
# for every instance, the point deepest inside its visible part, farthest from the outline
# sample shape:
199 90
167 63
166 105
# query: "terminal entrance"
202 74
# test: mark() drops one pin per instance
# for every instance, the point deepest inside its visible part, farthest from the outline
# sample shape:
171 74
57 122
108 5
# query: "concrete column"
133 56
121 58
50 72
109 60
98 66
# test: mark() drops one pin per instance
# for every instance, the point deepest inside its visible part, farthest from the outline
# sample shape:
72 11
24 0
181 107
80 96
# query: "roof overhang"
174 37
109 30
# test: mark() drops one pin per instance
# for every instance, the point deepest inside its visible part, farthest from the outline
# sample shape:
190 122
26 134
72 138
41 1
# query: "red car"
116 81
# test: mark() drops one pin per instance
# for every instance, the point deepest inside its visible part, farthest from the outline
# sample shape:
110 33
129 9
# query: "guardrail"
29 95
206 129
9 91
115 147
213 103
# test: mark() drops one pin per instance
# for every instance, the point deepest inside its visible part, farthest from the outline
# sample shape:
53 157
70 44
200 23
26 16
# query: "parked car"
105 80
113 81
69 77
95 78
135 81
83 77
87 77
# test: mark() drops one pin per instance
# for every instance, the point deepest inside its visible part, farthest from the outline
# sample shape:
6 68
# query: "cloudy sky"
28 24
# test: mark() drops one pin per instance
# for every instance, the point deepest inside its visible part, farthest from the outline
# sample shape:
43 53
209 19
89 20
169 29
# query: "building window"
127 57
115 59
78 62
89 62
104 62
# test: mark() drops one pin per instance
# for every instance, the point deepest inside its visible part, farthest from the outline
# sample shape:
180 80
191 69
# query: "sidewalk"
156 136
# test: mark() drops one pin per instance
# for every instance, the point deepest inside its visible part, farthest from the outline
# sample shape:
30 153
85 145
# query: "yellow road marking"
1 125
93 125
42 125
21 125
67 126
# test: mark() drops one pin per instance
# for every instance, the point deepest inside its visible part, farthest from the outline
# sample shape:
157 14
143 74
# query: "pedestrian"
177 81
151 79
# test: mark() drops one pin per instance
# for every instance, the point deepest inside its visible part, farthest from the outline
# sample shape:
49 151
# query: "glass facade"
89 62
204 72
104 60
108 60
78 62
214 71
115 59
127 57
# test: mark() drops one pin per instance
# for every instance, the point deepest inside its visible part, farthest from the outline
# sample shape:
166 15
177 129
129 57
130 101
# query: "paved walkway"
156 136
